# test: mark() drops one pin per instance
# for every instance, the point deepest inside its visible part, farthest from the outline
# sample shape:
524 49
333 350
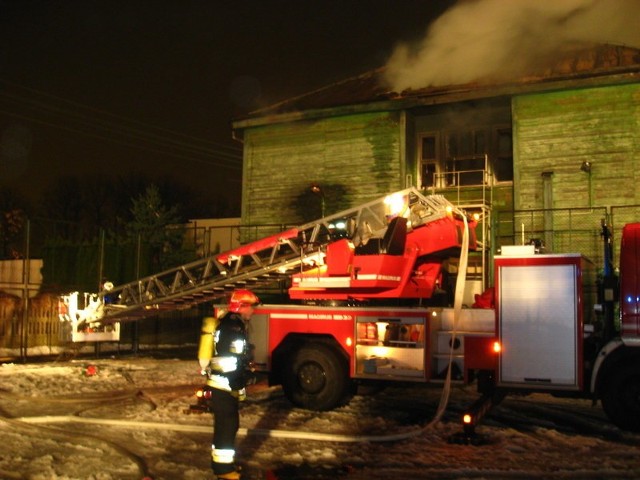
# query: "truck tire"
317 378
621 398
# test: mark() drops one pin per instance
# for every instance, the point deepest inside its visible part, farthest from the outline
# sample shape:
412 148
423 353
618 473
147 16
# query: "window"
503 162
465 157
428 160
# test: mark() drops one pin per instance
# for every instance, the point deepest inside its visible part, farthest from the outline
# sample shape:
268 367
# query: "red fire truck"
367 303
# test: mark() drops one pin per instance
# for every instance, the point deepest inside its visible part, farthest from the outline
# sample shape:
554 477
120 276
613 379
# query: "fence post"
135 331
26 268
101 259
547 203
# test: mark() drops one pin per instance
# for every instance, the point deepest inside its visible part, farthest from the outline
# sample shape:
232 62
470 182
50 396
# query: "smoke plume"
480 40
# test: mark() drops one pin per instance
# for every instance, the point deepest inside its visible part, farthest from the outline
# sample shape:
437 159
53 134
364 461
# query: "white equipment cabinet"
539 300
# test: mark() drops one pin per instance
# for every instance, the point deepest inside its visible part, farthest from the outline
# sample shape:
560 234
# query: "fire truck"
368 302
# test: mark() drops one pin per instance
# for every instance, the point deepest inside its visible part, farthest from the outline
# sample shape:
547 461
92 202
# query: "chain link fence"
571 230
575 230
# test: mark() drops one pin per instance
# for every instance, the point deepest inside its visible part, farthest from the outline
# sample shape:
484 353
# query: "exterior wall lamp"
315 188
586 167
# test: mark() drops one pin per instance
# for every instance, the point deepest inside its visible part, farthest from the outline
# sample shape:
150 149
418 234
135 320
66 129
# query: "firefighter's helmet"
242 298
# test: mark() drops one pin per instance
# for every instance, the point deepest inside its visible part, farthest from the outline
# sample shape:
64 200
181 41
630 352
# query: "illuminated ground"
134 425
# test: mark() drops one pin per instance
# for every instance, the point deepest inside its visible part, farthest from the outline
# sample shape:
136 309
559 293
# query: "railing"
464 187
556 230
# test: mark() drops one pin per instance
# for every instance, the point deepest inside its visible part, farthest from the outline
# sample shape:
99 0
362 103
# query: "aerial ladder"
263 262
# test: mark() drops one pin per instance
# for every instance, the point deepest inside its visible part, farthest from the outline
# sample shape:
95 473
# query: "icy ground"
127 421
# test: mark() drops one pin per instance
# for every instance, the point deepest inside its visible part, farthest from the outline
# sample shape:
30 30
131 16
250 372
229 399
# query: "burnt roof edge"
448 95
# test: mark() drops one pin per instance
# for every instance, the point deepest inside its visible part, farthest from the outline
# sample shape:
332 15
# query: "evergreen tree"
159 227
13 218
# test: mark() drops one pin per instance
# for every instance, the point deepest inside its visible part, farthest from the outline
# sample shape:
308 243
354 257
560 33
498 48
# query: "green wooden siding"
357 157
556 132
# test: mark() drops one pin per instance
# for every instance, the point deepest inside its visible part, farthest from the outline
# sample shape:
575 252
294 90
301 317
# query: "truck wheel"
317 378
621 399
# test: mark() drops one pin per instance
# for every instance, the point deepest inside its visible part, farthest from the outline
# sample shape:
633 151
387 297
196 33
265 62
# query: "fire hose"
457 308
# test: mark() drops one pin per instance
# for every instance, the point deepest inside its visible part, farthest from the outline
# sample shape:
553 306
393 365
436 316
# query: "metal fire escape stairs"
472 191
263 261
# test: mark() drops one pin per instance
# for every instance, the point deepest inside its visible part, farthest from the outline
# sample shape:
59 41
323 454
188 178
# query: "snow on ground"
59 421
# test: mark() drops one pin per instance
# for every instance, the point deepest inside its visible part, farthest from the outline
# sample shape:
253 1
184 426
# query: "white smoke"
494 39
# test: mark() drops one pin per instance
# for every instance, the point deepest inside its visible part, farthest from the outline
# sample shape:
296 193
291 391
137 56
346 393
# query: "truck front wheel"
317 378
621 399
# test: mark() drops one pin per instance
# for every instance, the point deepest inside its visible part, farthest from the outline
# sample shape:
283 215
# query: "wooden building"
540 155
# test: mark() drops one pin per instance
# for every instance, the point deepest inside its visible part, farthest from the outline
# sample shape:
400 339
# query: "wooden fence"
40 331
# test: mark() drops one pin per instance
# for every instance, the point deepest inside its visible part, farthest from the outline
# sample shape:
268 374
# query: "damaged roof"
603 64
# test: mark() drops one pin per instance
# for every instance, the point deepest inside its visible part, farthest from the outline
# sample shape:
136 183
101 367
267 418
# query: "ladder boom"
266 260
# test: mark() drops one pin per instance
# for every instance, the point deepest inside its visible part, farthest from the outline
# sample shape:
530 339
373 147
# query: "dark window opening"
503 164
428 161
466 157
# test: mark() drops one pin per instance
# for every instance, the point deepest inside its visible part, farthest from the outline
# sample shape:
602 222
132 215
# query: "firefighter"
225 358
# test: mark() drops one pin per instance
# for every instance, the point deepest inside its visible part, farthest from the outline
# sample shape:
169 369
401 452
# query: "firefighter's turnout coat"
224 353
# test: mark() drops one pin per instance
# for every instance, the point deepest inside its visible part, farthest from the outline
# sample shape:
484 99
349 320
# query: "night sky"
122 87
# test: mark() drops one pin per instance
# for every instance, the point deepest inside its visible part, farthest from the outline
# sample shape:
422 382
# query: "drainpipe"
547 205
586 167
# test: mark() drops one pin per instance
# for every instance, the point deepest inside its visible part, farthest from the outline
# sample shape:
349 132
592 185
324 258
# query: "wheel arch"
294 342
613 356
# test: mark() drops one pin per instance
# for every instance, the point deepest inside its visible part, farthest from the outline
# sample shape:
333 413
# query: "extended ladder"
264 261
